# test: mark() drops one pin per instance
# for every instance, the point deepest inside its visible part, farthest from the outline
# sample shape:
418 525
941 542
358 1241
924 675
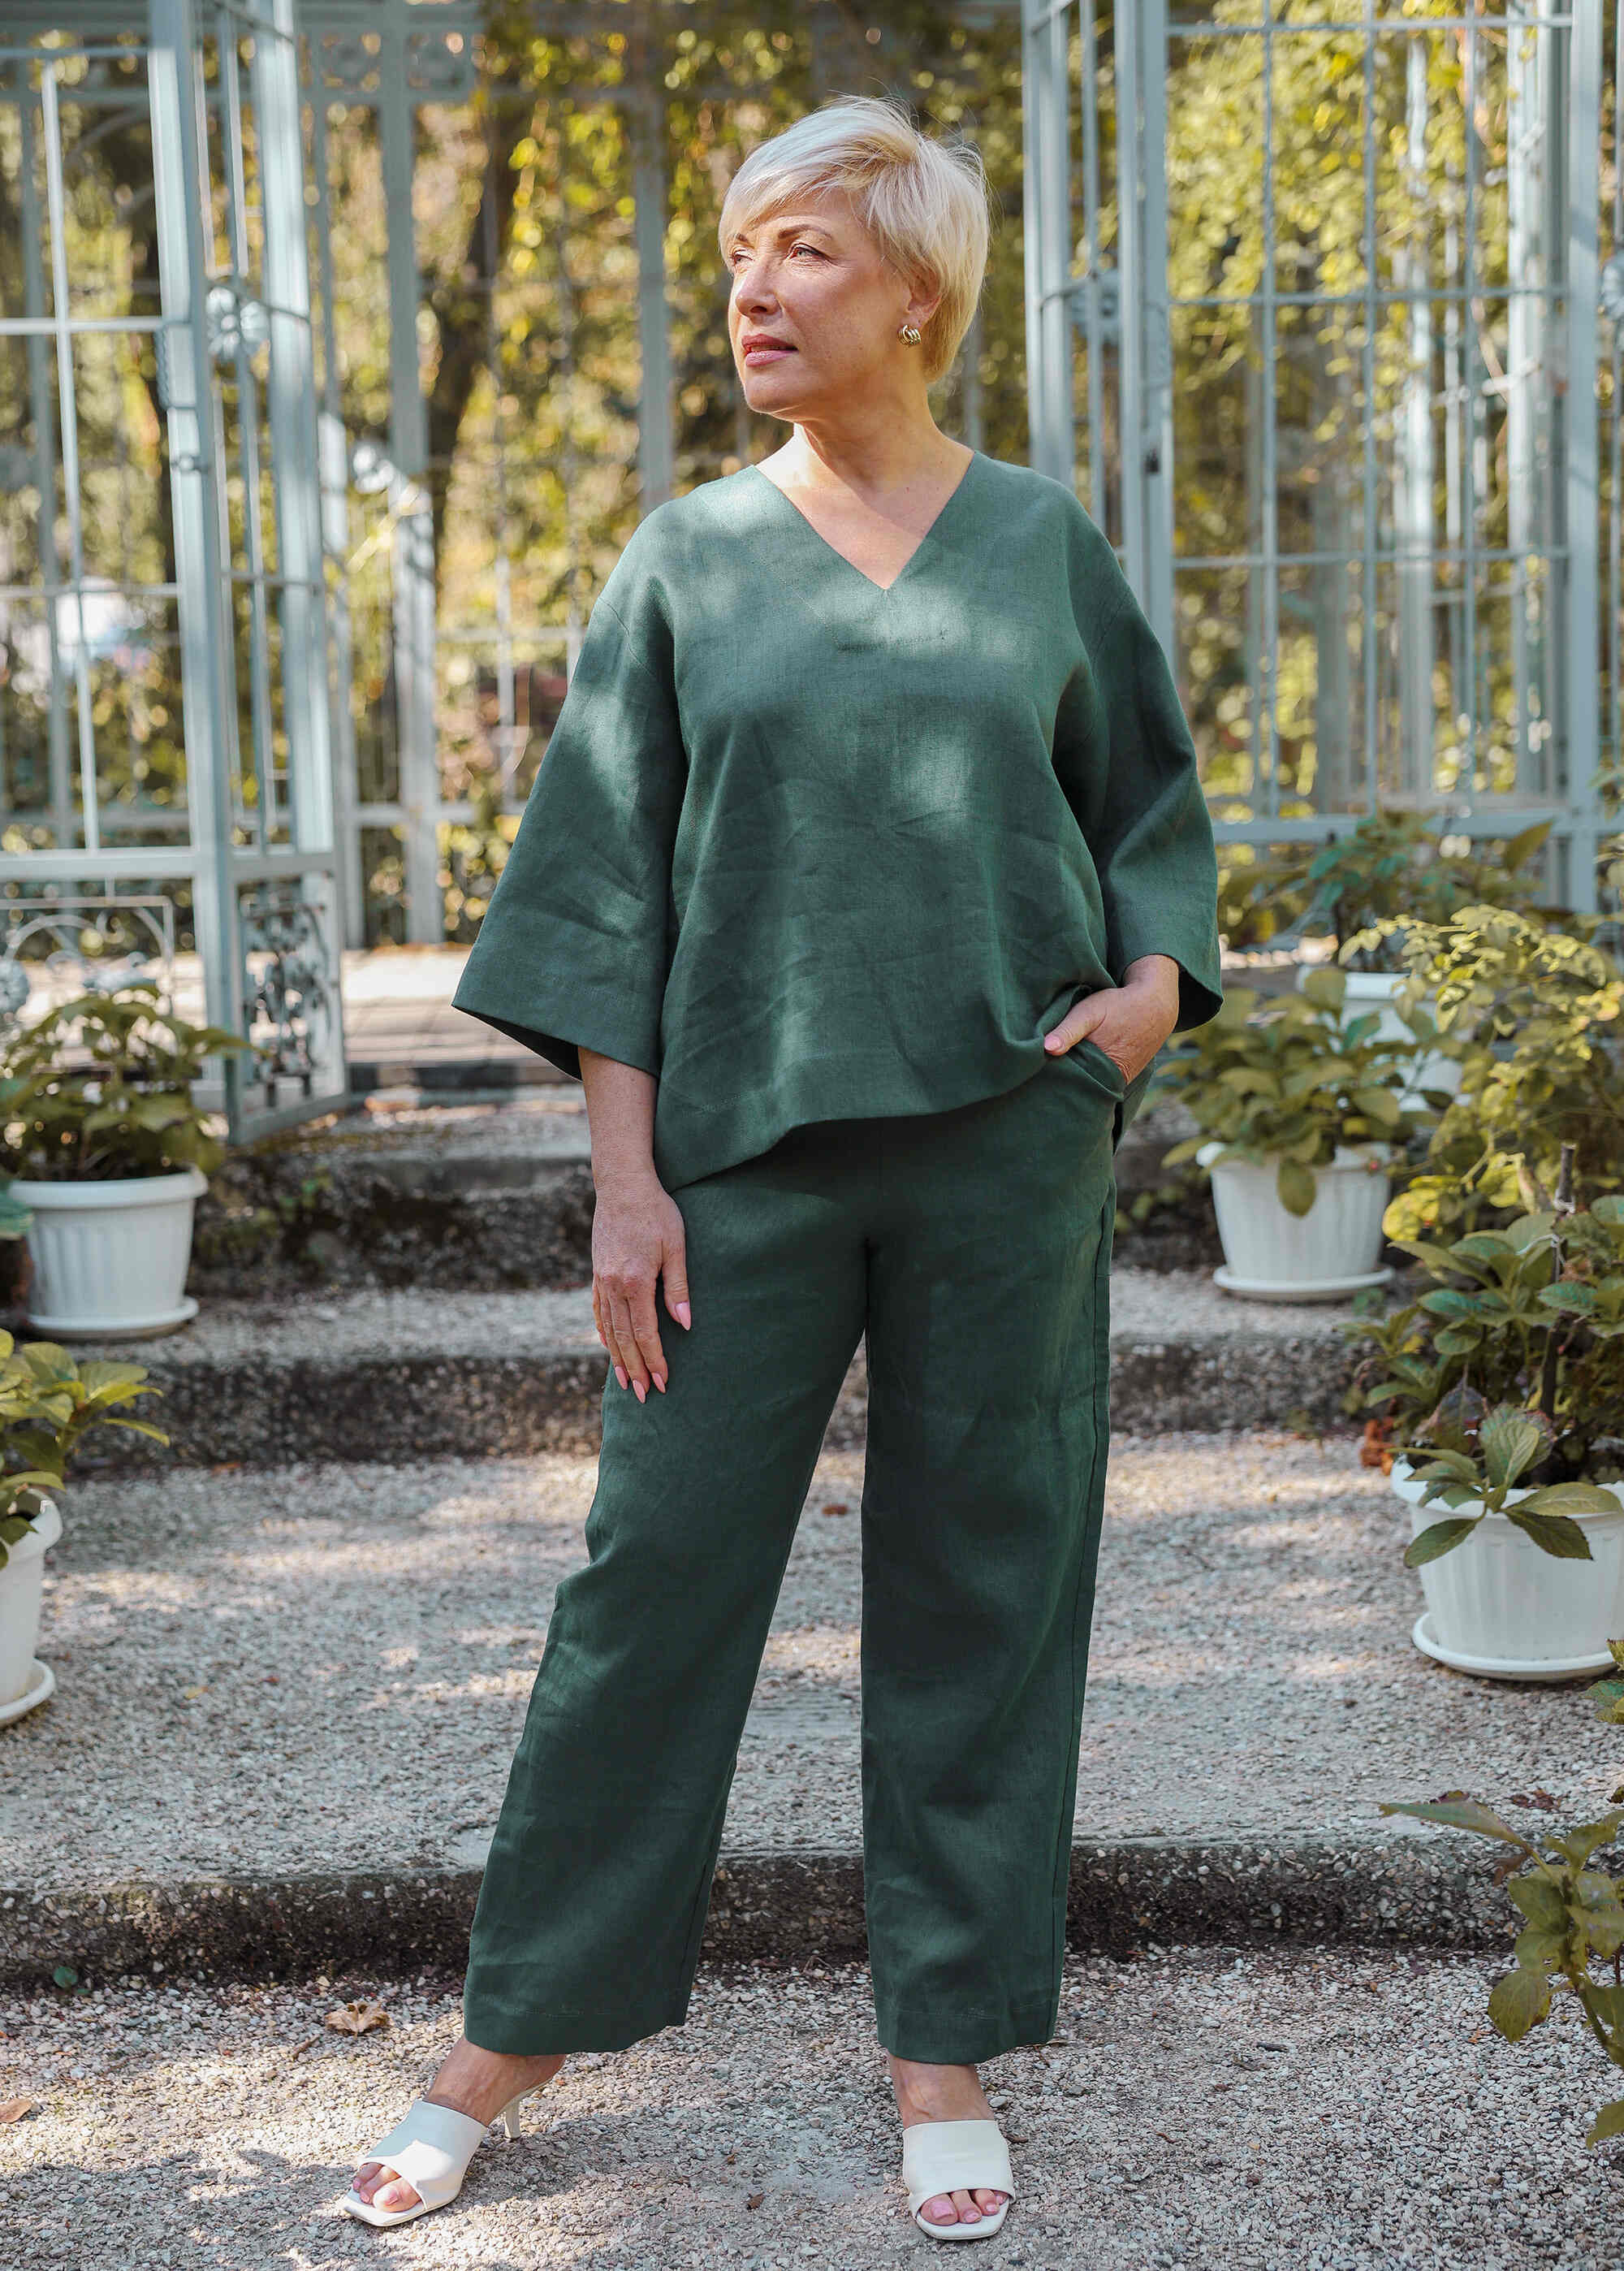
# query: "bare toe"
939 2210
968 2213
397 2193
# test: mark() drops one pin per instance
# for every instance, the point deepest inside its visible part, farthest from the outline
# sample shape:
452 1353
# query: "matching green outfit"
830 861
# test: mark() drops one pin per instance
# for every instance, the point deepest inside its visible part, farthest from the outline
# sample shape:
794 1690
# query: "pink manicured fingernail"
659 1382
679 1310
642 1393
620 1375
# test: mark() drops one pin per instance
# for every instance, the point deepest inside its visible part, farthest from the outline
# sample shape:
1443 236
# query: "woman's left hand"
1129 1022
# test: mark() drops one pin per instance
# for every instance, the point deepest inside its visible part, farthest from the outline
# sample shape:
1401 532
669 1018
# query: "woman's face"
813 277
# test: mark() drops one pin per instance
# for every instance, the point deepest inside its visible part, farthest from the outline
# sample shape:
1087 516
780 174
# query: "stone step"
487 1196
287 1701
470 1195
413 1374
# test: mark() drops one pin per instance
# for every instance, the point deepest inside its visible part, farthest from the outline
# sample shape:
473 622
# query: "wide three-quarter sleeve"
574 946
1125 755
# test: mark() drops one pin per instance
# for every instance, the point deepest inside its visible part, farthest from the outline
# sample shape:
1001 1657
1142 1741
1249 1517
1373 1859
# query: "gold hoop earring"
909 334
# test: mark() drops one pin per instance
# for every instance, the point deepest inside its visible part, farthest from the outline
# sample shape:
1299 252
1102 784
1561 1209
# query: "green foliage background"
529 365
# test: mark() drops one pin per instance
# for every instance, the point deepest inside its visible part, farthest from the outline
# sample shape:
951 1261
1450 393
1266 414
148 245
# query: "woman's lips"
765 354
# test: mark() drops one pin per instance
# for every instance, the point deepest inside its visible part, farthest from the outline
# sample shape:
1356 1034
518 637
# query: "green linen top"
807 848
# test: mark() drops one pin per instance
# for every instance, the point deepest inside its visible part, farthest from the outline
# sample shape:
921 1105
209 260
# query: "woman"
865 875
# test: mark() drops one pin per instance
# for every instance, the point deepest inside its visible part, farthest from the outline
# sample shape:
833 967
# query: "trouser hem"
535 2036
967 2040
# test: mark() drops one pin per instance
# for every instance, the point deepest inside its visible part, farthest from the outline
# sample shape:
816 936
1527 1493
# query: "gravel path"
327 1667
1311 2110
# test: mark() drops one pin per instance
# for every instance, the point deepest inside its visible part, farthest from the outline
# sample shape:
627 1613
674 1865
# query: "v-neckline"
879 590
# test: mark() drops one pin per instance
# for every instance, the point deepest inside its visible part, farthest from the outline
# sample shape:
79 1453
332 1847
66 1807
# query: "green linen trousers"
972 1247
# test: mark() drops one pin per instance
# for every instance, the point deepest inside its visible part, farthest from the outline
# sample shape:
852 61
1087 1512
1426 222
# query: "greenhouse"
346 341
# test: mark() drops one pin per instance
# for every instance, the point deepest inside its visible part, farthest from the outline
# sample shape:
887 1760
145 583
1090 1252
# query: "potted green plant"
1365 888
1299 1129
1503 1385
47 1404
103 1141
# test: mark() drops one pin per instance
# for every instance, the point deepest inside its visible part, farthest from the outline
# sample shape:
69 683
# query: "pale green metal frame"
232 242
1109 329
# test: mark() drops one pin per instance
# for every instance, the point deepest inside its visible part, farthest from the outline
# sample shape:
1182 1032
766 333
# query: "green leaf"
1435 1258
1440 1539
1296 1186
1536 1946
1552 1533
1512 1439
1578 1844
1577 1301
1539 1900
1518 2001
1608 2122
1485 1246
1516 849
1187 1149
1446 1301
1457 1340
1605 2004
136 1426
1572 1497
1459 1811
1454 1466
1380 1105
1325 986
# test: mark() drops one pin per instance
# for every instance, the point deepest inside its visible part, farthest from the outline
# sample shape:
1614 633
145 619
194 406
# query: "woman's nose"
750 288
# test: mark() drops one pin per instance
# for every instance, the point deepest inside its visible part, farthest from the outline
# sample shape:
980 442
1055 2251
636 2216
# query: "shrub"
49 1403
128 1111
1571 1913
1282 1078
1537 1021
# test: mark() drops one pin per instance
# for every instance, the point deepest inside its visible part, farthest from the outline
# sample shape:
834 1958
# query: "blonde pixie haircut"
924 202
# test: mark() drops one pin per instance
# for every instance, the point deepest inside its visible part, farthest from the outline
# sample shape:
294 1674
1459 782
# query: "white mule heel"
956 2156
431 2148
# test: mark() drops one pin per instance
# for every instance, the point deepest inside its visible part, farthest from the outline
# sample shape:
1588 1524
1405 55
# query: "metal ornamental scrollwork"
439 63
292 991
70 964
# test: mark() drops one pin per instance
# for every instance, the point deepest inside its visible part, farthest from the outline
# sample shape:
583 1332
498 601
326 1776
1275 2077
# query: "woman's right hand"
638 1236
637 1233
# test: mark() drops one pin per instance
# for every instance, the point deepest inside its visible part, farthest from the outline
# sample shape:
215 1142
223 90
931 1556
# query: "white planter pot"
110 1259
1497 1605
24 1681
1377 989
1270 1254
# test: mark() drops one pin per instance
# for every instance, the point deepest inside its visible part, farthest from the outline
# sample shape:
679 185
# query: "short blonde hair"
924 201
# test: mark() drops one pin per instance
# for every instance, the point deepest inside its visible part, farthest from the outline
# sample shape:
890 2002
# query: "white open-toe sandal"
956 2156
431 2148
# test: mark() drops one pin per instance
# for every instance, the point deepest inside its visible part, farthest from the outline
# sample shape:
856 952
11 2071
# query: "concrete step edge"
265 1410
1426 1888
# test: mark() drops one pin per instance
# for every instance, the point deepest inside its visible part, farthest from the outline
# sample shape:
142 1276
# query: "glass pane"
33 724
125 530
135 678
27 458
